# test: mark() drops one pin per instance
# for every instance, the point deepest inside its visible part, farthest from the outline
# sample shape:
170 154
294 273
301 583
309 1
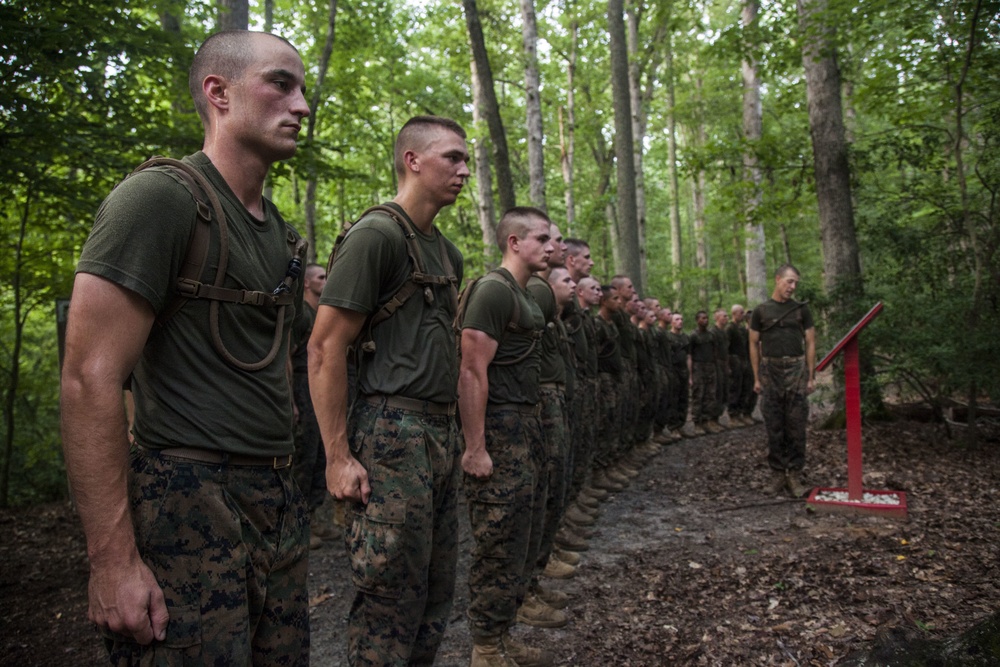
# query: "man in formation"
197 536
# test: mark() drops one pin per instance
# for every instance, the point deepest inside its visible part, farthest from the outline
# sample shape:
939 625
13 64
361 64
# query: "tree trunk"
491 109
567 133
841 261
841 264
626 214
701 248
634 17
675 190
756 257
234 14
485 211
14 376
968 223
311 124
533 104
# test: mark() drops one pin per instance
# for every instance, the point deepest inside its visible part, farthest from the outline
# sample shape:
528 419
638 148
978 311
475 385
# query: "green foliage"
90 89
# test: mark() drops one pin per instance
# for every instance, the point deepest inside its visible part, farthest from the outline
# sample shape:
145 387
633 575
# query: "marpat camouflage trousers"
785 410
502 514
228 545
403 545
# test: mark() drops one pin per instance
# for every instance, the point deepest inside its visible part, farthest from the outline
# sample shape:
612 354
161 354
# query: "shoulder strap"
419 278
513 326
189 285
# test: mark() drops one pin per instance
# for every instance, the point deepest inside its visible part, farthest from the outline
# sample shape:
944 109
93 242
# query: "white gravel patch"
867 498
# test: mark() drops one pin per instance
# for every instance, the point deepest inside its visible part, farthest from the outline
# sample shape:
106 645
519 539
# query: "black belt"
412 404
523 408
798 358
219 458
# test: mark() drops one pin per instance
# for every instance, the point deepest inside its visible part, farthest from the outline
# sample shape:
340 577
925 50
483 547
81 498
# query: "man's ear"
411 161
216 89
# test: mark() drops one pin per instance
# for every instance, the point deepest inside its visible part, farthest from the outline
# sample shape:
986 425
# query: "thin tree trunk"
491 109
14 377
968 223
701 247
675 190
567 133
234 14
633 18
756 257
627 216
311 123
532 86
485 211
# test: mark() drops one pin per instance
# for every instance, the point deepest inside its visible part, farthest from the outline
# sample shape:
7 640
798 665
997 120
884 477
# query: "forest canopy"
737 161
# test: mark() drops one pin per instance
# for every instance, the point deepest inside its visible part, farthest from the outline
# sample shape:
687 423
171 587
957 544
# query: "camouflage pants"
501 514
609 419
228 546
309 460
721 390
661 416
403 545
647 396
552 405
583 431
785 411
702 391
738 368
679 392
629 412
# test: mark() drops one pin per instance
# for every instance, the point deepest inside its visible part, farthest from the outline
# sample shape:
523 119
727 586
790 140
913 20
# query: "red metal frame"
852 399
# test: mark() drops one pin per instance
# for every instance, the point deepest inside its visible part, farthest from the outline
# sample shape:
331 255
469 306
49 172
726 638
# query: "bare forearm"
473 392
95 446
328 388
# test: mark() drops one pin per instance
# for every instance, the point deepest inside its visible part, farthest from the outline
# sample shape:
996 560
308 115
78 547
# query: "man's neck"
519 270
312 299
421 211
244 174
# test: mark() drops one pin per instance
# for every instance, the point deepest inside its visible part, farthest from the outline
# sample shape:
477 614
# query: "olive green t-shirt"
609 352
680 349
489 309
553 367
415 354
782 327
186 394
580 329
702 346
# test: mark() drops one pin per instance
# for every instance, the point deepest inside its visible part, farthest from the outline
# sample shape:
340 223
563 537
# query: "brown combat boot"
536 613
575 515
603 482
595 493
589 510
550 596
778 482
585 500
616 476
569 541
488 652
795 484
557 569
526 656
568 557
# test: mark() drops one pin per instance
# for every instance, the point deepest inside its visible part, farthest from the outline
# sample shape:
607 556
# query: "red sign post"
891 503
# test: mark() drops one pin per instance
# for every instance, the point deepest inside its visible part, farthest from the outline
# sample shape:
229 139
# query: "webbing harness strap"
418 280
189 284
514 325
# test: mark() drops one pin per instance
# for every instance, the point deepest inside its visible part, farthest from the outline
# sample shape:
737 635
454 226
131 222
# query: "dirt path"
692 565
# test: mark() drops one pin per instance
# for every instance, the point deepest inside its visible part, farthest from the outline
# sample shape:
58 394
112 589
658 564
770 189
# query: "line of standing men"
197 536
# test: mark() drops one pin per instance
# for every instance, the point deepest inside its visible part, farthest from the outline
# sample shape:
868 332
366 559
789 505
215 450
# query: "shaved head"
227 54
518 221
417 134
